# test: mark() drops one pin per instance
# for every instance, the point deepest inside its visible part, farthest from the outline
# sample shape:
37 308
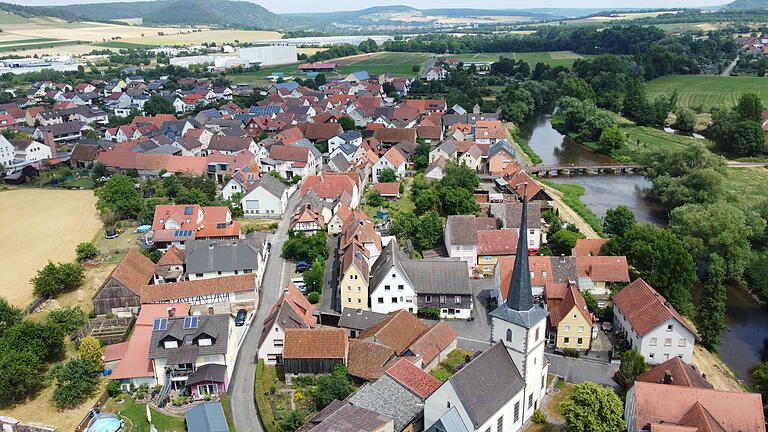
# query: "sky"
289 6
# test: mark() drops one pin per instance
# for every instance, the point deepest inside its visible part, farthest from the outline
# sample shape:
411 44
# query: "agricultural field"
747 185
552 58
398 64
198 37
708 91
43 224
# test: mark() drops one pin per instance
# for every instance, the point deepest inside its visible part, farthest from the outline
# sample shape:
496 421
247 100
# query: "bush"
90 348
313 277
334 386
113 388
86 251
69 318
571 352
313 297
539 417
75 381
374 199
54 279
429 313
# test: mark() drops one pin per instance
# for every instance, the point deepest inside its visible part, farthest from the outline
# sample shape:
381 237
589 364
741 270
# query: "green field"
553 58
708 91
8 48
747 185
654 140
398 64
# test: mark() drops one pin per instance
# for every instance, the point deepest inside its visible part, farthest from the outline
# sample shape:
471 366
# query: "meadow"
708 91
552 58
41 225
398 64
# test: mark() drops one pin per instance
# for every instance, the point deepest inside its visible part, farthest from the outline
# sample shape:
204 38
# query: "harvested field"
346 61
198 37
41 225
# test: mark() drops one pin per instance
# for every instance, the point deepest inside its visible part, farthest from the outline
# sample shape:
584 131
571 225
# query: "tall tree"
158 105
632 365
592 408
617 221
577 88
711 313
120 195
347 123
749 108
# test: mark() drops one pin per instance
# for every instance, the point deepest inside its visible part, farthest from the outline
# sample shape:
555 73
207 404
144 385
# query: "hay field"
85 31
552 58
708 91
39 225
218 36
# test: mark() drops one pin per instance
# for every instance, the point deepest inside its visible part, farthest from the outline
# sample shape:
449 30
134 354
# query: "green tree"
334 386
320 79
299 247
19 376
632 365
516 104
635 100
120 195
430 231
347 123
292 421
611 139
387 175
99 170
54 279
68 319
749 108
458 201
617 221
685 119
747 138
313 277
459 176
577 88
661 259
711 311
85 251
158 105
90 348
374 198
760 379
592 408
421 156
427 200
44 341
10 315
563 241
719 228
75 381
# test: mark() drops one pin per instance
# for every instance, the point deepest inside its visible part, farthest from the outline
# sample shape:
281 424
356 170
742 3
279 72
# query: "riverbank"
521 144
571 209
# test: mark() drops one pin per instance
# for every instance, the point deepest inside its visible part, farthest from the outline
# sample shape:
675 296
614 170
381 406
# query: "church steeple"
520 294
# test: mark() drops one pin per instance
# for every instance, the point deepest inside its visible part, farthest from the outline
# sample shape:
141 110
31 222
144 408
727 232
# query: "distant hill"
183 12
43 12
379 13
747 5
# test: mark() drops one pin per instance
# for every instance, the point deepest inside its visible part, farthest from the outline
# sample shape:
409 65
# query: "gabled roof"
587 247
350 418
487 383
173 256
463 228
206 417
645 308
388 397
360 319
413 378
387 189
438 276
559 308
134 271
394 156
269 184
680 372
395 135
497 242
368 360
328 186
432 342
603 268
398 332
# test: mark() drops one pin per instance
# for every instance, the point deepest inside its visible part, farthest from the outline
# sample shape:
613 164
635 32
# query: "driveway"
476 335
276 276
578 370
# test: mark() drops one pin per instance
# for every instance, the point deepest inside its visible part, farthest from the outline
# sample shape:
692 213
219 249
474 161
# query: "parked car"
240 318
302 266
299 282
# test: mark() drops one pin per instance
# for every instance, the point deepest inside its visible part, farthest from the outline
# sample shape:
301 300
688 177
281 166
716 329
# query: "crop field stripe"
27 41
708 91
39 45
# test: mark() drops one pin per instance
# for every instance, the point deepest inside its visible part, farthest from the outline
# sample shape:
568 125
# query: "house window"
567 328
543 273
278 342
487 259
581 329
448 404
458 299
579 341
400 287
171 344
532 275
537 334
681 343
530 400
669 328
517 411
500 424
651 355
652 342
509 335
359 301
566 340
277 358
198 275
349 299
393 275
443 299
380 300
543 380
394 300
428 299
386 287
668 342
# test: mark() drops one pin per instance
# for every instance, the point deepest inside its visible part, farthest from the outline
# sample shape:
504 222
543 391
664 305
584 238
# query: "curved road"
244 414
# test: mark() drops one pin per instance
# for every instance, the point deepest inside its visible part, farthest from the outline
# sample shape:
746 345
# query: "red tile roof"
587 247
682 374
394 157
646 309
327 186
387 189
413 378
289 153
603 268
398 331
368 360
319 343
134 271
432 342
173 256
497 242
559 308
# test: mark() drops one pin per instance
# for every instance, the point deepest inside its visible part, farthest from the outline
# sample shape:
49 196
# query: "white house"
434 74
392 159
7 151
266 198
350 137
390 283
461 236
651 324
31 151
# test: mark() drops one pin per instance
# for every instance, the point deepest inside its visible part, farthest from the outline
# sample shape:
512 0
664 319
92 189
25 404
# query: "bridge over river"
583 169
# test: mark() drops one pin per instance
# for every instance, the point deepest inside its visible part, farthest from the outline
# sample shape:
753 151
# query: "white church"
499 389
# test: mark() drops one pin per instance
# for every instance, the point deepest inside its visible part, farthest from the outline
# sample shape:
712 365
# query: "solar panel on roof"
188 210
160 324
221 225
190 322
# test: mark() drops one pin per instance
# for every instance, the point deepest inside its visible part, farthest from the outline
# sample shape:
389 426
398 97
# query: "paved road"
276 276
737 164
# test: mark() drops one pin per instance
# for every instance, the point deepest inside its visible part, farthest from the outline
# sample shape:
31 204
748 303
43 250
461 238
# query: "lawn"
642 139
444 370
747 185
403 205
552 58
50 223
136 415
708 91
564 389
571 194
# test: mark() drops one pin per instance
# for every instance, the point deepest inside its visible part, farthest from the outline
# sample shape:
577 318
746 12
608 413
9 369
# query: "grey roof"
499 145
350 418
463 228
564 269
438 276
525 319
487 383
348 148
510 212
391 257
165 149
270 184
207 417
386 396
458 109
215 326
450 422
286 317
313 200
308 144
340 162
211 372
448 147
204 256
360 319
349 135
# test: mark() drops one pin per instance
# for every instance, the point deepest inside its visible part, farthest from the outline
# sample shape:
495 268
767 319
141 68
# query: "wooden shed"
122 287
314 351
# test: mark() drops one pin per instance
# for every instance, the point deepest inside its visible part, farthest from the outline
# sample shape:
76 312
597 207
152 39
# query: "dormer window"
162 221
204 342
169 344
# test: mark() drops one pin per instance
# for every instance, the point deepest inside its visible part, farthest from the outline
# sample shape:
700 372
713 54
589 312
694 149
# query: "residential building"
292 310
328 187
314 351
307 219
393 159
509 215
355 321
461 236
389 191
30 151
501 155
207 296
353 280
7 152
177 224
652 325
492 245
268 197
209 259
570 322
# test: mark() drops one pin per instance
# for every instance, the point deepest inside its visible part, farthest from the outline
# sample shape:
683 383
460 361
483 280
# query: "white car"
299 282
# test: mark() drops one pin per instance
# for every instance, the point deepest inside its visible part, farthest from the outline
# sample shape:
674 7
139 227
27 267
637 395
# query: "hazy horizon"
303 6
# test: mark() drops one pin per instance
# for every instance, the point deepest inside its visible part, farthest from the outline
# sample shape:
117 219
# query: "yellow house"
492 245
570 322
353 285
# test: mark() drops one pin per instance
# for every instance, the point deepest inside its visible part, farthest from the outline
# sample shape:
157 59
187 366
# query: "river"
746 341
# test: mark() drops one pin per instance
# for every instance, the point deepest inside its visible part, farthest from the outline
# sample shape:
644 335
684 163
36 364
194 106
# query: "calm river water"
746 342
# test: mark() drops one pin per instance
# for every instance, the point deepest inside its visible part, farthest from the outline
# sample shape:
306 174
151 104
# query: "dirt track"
39 225
346 61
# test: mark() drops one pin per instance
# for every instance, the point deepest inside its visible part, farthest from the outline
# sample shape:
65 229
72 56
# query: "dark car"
302 266
240 317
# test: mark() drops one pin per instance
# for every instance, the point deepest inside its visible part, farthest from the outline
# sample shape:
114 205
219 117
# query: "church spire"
520 294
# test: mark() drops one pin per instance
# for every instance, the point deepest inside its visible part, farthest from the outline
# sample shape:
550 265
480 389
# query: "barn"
314 351
122 287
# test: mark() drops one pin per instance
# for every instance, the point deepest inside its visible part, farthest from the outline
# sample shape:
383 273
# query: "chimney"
562 258
171 312
667 377
359 311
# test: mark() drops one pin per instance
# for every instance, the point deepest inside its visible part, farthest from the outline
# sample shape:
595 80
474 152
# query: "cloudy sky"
285 6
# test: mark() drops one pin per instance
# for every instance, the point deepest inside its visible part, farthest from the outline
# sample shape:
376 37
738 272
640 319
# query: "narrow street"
240 390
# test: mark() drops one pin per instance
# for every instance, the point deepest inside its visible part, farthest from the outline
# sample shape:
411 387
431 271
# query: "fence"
97 407
107 331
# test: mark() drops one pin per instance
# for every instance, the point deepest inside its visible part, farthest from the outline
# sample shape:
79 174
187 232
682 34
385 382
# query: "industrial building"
270 55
